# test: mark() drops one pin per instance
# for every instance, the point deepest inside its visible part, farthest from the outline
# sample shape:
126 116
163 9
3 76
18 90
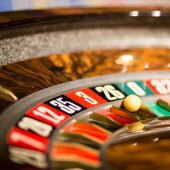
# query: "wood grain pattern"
43 14
145 155
27 77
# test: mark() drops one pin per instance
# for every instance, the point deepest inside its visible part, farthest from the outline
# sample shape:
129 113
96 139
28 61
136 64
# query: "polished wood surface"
31 17
26 77
38 14
146 154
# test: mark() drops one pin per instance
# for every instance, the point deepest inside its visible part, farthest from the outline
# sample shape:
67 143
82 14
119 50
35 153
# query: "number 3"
86 97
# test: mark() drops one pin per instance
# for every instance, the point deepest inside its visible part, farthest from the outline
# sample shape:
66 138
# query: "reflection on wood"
26 77
148 154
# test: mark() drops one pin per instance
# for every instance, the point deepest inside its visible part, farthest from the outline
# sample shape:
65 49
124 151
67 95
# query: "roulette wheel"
64 76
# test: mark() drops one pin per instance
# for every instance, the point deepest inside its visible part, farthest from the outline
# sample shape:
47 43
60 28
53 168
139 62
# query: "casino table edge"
30 17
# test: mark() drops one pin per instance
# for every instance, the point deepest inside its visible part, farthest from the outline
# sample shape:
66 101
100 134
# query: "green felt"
165 105
158 110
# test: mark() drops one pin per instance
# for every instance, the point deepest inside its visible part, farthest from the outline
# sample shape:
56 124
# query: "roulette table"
64 76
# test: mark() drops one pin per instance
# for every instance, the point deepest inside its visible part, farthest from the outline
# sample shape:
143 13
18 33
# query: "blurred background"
15 5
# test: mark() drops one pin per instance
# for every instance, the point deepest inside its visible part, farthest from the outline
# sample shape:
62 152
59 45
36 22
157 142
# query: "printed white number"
166 83
162 86
25 156
48 114
86 97
38 127
66 106
110 92
135 88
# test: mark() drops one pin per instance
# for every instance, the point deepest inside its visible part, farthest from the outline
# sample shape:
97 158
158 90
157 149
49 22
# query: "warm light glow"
146 65
125 59
124 69
135 144
168 65
156 13
156 139
134 13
